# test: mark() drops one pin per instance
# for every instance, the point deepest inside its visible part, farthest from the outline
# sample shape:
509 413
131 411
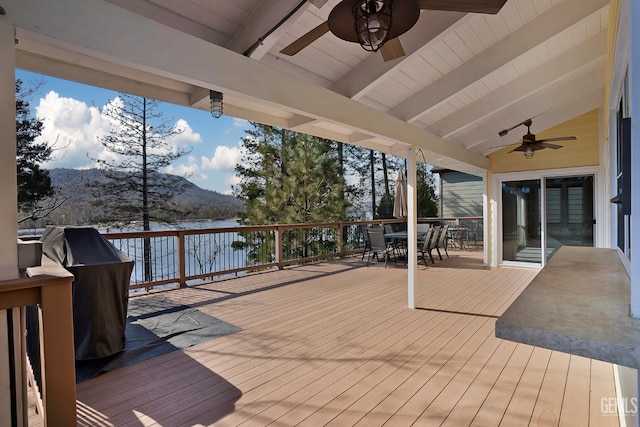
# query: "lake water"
186 224
203 252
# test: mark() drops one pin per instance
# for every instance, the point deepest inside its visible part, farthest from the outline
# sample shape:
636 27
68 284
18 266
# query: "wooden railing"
49 287
181 256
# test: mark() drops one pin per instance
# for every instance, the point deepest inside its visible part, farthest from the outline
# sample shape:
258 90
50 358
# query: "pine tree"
290 178
34 183
134 189
426 189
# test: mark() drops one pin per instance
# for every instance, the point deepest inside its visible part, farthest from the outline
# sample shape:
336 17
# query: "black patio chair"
378 246
422 229
365 237
425 247
441 242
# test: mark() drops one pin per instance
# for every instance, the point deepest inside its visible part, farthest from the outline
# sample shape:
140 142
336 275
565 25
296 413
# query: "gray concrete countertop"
578 304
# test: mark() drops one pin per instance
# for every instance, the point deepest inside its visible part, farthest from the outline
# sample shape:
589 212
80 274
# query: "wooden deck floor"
334 344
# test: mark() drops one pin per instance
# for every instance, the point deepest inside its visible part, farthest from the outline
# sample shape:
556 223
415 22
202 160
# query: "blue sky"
72 118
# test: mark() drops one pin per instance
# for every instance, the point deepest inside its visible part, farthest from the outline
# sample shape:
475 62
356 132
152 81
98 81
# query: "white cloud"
223 158
187 137
240 122
78 128
74 128
230 181
191 170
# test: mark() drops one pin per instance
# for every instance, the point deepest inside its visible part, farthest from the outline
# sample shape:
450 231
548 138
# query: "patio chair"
422 229
471 234
365 237
425 247
378 246
441 241
388 228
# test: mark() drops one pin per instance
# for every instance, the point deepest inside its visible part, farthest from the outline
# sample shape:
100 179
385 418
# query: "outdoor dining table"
453 231
402 235
399 239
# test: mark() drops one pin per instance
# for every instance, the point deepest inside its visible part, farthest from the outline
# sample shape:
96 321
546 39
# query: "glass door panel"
569 209
521 219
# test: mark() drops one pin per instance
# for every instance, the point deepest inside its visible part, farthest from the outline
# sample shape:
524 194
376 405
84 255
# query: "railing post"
340 240
278 236
59 388
182 260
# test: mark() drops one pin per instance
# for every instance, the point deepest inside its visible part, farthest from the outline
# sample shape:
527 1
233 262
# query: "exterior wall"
585 151
461 194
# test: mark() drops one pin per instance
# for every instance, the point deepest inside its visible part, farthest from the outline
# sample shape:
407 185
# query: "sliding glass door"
540 215
569 208
521 214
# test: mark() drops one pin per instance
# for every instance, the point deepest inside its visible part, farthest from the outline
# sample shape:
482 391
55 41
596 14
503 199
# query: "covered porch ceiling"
464 77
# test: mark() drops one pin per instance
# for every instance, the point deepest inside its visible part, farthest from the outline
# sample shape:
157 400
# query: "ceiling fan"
529 143
376 24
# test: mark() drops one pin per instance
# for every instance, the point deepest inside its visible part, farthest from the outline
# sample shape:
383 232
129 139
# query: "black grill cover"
100 287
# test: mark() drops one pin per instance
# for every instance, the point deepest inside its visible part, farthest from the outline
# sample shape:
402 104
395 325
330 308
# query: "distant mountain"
202 204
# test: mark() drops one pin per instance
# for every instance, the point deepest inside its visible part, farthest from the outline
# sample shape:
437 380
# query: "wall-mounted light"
215 102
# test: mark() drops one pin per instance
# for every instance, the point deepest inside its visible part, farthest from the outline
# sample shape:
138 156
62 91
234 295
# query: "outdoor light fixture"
215 100
528 153
372 22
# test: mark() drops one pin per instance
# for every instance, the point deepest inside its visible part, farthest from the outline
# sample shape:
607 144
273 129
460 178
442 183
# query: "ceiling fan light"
372 23
528 153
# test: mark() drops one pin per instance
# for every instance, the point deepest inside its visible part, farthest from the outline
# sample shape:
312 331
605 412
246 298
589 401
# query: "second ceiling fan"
377 24
529 142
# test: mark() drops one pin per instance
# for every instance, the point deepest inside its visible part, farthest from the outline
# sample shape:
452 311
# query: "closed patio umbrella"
400 209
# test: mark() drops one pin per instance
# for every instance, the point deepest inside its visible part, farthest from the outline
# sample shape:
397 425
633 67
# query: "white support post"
486 218
634 87
8 189
8 195
412 240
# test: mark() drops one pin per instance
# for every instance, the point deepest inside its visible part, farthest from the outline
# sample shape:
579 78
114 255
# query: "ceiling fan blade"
318 3
392 49
519 148
561 138
499 146
306 39
545 145
475 6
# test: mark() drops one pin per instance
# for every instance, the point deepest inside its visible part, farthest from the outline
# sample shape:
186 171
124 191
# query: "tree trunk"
373 184
385 173
341 165
146 226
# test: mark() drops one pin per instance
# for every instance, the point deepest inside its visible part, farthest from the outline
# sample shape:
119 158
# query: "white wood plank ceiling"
464 77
